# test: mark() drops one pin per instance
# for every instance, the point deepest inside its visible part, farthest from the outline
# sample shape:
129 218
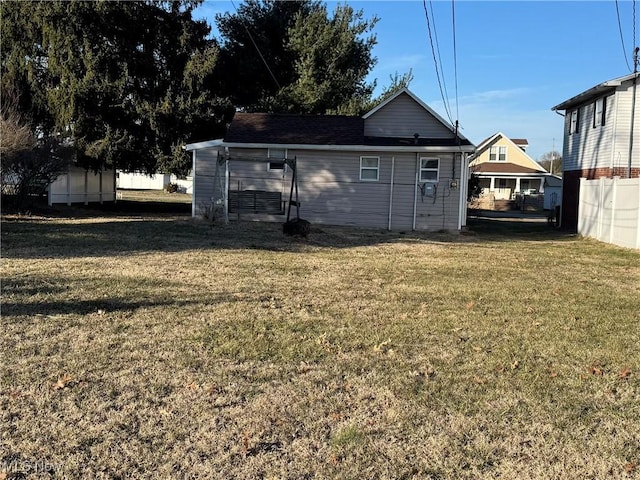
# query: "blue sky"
515 59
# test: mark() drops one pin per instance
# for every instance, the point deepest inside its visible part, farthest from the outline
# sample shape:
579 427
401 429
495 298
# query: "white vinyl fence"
609 210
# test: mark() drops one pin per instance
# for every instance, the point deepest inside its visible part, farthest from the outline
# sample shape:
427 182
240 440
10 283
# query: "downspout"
193 184
226 189
415 192
633 119
462 214
393 165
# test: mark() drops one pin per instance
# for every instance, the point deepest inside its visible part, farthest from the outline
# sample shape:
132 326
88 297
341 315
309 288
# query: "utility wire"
256 46
435 35
624 50
455 55
435 61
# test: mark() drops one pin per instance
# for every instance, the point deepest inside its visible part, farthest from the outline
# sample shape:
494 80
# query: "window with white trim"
599 112
277 164
573 119
498 153
369 169
429 169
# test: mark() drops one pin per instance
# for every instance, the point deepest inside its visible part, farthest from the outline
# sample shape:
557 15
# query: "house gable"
402 116
516 157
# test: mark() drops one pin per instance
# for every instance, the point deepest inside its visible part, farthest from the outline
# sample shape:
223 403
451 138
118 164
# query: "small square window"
277 165
369 169
278 155
429 169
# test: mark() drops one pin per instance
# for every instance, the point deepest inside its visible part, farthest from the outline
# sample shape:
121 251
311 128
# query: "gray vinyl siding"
440 212
403 118
622 135
254 174
602 146
331 192
203 179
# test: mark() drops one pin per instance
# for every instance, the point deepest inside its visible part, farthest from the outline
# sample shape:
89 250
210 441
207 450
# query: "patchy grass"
158 347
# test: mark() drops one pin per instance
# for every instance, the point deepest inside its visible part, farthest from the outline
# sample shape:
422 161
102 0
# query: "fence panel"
609 210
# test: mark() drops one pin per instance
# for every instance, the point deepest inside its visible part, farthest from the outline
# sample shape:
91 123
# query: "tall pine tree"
294 57
123 82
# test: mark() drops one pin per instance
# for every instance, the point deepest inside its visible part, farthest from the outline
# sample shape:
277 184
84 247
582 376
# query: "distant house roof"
594 92
521 142
503 167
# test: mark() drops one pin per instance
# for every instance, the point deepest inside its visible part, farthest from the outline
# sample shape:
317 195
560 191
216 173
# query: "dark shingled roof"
502 167
408 142
295 129
281 129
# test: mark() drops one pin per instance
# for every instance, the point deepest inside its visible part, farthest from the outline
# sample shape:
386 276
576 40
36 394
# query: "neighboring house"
400 167
601 138
504 168
158 181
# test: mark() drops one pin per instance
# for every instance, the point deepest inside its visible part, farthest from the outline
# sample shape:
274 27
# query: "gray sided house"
601 138
398 167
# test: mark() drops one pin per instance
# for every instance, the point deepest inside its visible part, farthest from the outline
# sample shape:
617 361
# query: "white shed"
80 185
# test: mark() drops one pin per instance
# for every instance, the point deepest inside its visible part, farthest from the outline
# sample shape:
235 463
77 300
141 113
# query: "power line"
435 61
435 35
256 46
455 55
624 50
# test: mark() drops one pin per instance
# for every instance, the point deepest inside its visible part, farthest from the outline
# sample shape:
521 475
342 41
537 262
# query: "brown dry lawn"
153 346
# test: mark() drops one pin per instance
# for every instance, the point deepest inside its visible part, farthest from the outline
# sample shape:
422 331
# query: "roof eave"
361 148
200 145
594 92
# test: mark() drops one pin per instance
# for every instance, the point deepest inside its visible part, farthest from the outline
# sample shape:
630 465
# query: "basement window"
369 169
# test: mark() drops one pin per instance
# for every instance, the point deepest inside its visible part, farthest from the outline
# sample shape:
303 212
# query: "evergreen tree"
123 82
292 57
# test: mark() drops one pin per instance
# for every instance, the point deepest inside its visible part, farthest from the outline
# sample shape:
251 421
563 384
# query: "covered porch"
507 187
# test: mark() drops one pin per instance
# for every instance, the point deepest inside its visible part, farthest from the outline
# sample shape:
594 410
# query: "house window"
573 128
498 154
277 164
429 168
369 169
599 112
